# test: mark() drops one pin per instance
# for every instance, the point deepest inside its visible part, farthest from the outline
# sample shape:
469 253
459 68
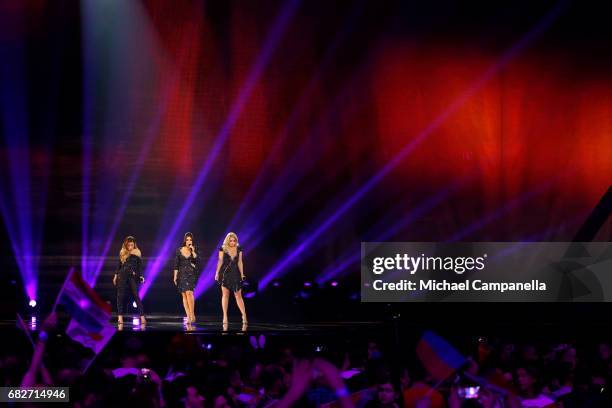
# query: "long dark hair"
188 235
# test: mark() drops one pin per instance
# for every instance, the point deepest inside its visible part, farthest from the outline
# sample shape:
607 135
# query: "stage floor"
213 325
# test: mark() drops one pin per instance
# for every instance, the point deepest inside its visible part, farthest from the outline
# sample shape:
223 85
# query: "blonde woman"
186 269
230 274
127 276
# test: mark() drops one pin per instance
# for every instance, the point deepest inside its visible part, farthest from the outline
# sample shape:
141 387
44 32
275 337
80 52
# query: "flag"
90 314
439 358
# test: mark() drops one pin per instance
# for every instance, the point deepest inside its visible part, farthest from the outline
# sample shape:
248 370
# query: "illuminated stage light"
135 321
334 284
276 284
32 303
307 284
134 304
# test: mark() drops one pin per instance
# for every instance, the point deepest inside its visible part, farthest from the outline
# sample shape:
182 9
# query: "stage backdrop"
304 126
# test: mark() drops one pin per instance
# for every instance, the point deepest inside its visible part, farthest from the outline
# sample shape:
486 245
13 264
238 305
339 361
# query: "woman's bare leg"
224 302
186 305
240 303
191 304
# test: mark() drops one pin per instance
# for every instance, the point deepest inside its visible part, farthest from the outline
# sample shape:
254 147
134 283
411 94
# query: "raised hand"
329 373
300 378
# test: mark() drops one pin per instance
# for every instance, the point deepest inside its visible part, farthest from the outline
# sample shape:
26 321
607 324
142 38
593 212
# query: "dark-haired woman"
186 268
127 277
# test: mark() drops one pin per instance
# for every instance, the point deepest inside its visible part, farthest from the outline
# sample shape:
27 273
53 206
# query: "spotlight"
334 284
276 284
135 321
32 303
307 284
134 304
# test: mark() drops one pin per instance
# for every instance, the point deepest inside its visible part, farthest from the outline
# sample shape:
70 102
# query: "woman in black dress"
230 274
127 276
186 268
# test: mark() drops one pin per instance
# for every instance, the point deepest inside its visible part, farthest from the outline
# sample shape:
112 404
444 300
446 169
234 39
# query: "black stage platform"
213 325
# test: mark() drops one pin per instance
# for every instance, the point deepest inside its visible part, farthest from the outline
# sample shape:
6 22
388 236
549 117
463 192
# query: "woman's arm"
116 274
219 263
240 265
176 265
139 268
196 260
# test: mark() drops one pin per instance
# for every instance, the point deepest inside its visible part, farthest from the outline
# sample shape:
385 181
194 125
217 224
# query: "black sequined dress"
229 274
188 269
